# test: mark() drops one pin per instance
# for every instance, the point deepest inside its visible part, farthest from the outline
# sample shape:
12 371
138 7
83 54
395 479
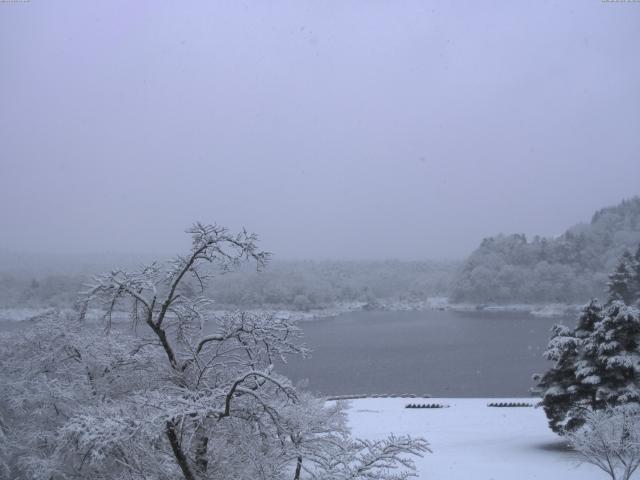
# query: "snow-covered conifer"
621 283
615 341
635 283
559 384
597 365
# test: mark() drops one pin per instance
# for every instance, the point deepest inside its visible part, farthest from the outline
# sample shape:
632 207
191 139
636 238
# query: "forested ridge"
298 285
570 268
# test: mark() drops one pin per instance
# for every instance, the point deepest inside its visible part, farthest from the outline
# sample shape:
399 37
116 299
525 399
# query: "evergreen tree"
615 342
559 381
568 387
621 281
588 370
597 365
636 276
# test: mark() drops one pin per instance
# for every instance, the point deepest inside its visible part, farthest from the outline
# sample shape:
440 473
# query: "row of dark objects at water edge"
494 404
426 405
509 404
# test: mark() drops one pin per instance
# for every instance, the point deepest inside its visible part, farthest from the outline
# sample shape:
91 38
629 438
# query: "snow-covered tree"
570 385
327 452
53 370
559 382
186 395
614 343
301 302
622 282
610 440
635 269
597 364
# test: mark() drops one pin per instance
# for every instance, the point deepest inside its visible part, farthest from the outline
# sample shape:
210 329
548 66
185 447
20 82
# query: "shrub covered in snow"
610 440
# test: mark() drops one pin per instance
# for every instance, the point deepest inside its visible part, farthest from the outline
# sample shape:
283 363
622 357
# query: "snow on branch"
192 395
386 459
610 440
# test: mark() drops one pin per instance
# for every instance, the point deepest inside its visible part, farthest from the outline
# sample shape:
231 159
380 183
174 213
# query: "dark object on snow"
509 404
426 405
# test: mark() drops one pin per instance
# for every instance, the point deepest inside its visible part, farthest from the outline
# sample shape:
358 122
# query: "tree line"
295 285
568 269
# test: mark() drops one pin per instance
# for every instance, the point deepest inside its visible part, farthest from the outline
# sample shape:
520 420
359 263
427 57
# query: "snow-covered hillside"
471 441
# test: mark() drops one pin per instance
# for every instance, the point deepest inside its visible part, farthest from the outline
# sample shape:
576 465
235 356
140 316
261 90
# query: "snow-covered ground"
471 441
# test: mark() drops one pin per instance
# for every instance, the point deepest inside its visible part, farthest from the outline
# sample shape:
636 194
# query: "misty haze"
319 240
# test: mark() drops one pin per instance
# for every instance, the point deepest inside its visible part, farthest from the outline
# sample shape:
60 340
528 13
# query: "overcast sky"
333 129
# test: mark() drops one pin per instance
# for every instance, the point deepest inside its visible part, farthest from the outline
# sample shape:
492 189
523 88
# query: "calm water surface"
441 353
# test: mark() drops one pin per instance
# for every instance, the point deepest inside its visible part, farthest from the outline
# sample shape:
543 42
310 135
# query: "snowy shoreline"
434 303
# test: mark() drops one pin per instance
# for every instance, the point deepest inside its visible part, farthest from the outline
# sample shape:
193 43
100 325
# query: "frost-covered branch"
156 291
386 459
610 440
188 395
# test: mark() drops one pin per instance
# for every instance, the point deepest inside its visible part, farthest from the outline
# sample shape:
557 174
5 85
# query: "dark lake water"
441 353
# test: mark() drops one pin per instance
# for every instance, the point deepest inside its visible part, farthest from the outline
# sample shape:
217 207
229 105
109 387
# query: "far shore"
433 303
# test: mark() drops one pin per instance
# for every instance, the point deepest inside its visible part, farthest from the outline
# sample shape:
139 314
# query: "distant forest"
504 269
296 285
568 269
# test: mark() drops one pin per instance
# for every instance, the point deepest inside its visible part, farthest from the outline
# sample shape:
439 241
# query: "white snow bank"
471 441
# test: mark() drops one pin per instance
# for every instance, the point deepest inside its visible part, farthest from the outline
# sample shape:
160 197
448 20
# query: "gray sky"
334 129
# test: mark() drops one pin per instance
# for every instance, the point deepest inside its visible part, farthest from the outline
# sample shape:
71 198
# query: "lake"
440 353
